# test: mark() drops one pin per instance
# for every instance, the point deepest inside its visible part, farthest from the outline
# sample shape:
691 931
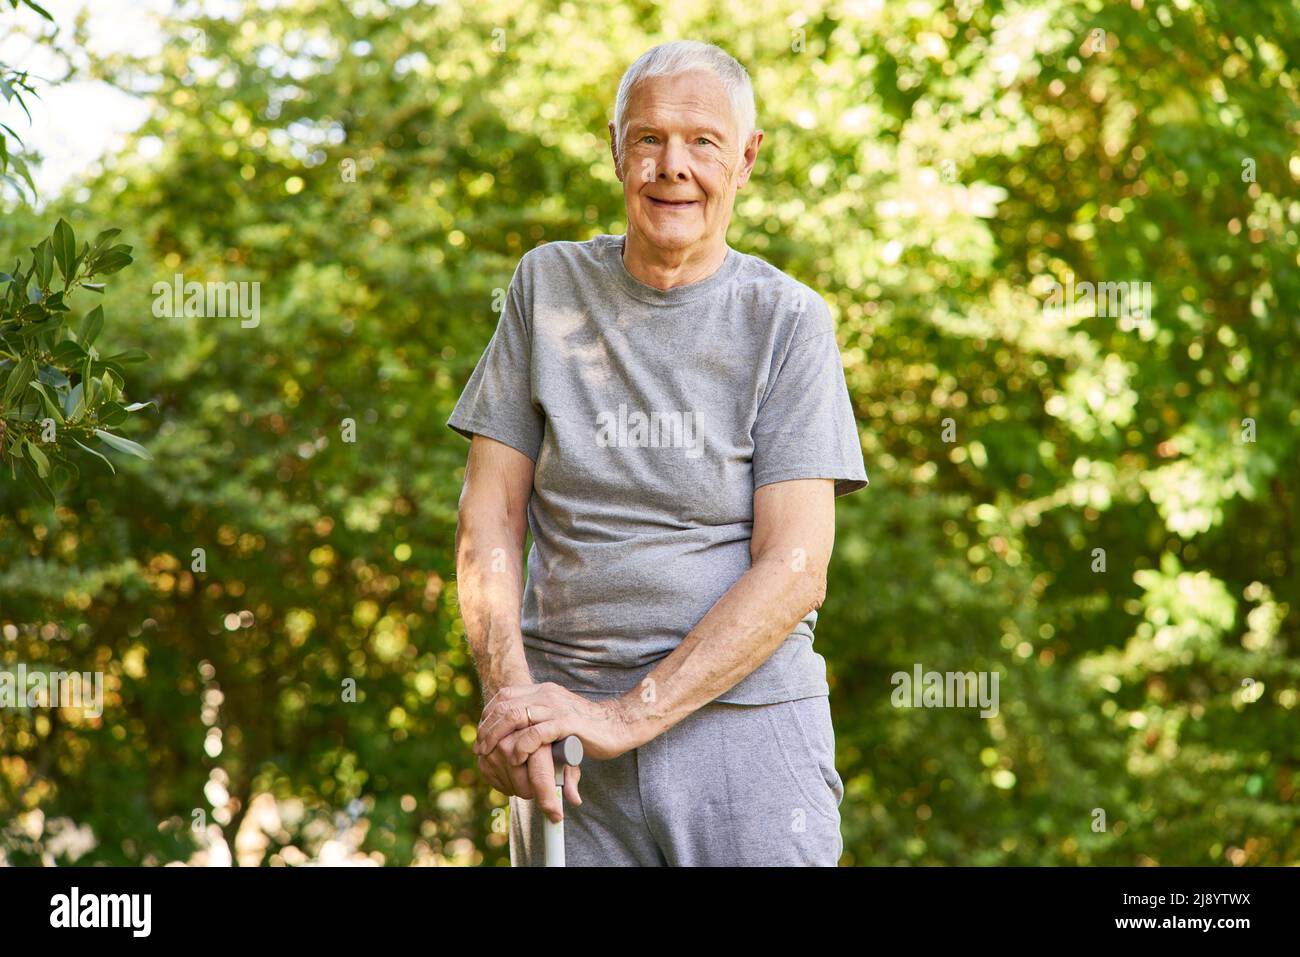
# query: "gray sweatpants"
729 785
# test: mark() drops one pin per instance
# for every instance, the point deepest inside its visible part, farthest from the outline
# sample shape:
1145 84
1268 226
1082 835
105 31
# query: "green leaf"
43 256
18 163
111 260
38 459
98 455
91 325
18 379
110 386
68 353
52 377
50 405
105 238
39 9
65 248
43 325
130 355
112 413
111 263
123 445
88 378
72 402
85 252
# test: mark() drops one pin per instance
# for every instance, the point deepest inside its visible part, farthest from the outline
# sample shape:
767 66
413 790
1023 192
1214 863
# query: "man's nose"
673 163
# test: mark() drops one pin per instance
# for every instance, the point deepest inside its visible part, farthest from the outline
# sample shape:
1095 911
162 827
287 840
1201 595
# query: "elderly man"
671 417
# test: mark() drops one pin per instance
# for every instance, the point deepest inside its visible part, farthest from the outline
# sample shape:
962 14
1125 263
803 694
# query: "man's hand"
507 778
555 713
536 777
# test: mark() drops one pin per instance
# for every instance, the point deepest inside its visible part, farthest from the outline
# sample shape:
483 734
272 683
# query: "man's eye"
705 139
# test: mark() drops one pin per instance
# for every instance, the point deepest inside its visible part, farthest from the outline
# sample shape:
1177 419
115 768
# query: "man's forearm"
741 631
489 590
498 652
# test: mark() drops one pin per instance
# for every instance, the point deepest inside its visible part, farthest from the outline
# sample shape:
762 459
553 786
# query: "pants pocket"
807 741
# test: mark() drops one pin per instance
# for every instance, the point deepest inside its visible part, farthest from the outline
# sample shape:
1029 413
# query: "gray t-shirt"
652 416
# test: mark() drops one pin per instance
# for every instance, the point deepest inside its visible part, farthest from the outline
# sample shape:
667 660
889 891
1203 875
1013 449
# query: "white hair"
683 56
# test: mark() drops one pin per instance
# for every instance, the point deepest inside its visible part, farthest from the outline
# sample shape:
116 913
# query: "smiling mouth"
665 204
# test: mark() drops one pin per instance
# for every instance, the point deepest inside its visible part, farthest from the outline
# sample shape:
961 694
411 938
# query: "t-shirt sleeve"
805 426
498 399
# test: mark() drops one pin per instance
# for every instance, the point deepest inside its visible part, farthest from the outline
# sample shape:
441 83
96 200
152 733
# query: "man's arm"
490 534
790 548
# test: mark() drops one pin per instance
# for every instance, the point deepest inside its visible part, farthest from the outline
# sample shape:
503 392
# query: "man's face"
682 145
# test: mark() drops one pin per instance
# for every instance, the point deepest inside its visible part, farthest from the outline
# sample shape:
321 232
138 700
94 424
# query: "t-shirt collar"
612 255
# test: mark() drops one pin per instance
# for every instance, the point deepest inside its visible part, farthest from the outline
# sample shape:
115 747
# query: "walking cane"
566 752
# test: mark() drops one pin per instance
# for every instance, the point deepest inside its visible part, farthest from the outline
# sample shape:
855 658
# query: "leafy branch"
56 389
13 84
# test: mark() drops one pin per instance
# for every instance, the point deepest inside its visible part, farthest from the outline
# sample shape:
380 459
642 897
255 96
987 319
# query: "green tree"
272 599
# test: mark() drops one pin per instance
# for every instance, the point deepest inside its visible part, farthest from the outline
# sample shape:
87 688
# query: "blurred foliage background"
930 167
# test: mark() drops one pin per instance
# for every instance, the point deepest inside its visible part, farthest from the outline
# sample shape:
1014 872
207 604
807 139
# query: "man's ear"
750 155
613 151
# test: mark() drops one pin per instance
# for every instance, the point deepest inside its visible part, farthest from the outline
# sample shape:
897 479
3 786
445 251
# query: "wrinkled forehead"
688 100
